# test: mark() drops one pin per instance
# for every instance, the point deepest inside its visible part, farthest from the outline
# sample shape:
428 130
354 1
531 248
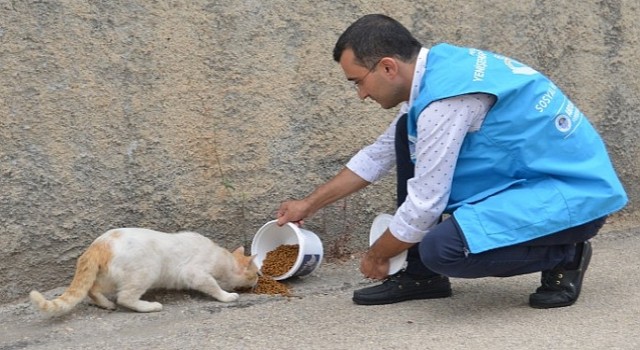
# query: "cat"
130 261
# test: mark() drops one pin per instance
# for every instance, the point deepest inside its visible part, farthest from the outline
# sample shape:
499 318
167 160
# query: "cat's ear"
239 250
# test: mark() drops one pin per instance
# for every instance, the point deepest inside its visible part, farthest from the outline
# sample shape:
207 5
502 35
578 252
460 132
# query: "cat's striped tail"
89 264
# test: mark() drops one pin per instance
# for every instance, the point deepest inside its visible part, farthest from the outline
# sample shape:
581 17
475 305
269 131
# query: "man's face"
372 83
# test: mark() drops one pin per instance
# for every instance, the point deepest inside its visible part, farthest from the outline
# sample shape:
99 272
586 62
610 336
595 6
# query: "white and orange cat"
130 261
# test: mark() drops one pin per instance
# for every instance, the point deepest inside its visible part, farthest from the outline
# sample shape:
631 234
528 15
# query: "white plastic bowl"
270 236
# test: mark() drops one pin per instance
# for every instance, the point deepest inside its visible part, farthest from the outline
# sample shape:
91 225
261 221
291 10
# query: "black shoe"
401 287
561 287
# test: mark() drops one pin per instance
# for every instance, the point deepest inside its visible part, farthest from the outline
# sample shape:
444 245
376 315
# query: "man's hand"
293 211
376 261
374 267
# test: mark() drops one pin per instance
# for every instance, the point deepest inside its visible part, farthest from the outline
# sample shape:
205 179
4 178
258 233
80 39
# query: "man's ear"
389 65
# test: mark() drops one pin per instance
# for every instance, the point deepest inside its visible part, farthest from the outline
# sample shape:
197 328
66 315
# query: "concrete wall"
204 115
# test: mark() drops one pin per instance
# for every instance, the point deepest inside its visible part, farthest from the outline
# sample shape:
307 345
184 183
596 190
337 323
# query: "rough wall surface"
204 115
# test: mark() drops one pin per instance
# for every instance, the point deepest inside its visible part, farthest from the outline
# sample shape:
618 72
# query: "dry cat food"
267 285
276 263
280 260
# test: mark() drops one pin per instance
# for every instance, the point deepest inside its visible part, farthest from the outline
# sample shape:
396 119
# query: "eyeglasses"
357 83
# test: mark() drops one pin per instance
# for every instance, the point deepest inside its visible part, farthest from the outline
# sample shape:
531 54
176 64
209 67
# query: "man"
523 174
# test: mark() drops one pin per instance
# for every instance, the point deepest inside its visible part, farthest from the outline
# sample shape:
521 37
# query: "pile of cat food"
276 263
267 285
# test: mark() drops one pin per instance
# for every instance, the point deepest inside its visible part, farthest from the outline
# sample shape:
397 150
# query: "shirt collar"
421 67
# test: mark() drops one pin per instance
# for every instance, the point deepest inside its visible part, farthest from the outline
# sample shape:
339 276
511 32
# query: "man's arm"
343 184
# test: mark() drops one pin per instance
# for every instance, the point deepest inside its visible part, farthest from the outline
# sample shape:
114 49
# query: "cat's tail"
97 257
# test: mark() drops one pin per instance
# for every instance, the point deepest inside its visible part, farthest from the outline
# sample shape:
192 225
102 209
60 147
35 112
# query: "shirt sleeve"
376 160
442 127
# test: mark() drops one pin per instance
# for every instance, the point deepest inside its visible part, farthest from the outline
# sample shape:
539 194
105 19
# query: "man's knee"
442 250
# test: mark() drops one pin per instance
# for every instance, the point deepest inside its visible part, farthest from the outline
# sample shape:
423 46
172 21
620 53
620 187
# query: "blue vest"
535 167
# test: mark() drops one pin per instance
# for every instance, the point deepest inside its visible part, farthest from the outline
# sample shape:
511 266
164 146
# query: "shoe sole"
439 295
551 306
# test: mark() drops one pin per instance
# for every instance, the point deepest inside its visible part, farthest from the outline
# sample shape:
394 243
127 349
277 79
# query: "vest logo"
563 123
519 68
515 66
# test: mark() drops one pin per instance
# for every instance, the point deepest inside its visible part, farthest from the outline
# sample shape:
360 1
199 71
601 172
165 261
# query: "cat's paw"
142 306
229 297
153 307
106 305
102 302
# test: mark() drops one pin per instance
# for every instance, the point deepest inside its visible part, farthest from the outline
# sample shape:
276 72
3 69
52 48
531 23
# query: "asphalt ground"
488 313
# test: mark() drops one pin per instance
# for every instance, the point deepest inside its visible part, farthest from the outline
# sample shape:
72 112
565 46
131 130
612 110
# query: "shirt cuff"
367 169
403 232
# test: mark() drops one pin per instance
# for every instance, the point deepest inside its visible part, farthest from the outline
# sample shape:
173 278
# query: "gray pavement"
489 313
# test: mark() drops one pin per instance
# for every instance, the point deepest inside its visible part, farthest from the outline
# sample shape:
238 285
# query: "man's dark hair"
375 36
